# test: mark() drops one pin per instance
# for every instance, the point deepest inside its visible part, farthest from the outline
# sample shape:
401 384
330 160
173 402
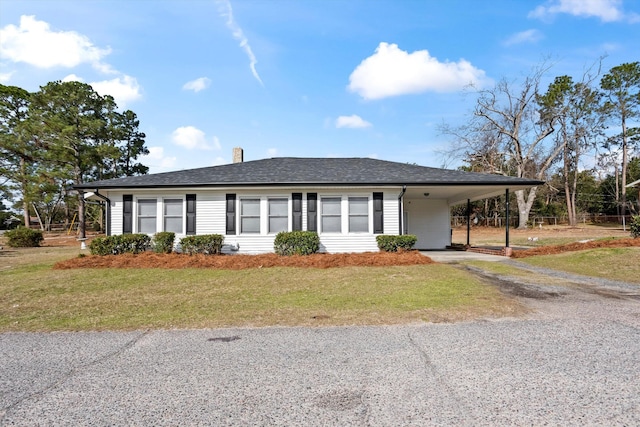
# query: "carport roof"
294 171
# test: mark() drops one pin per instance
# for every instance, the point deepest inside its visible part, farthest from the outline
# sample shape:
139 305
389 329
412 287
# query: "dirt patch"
56 240
239 262
576 246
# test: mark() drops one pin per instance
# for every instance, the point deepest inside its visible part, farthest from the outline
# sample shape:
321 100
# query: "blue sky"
304 78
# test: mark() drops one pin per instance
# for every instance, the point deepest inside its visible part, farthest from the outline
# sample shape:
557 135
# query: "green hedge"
391 243
296 243
23 237
120 244
208 244
635 226
163 242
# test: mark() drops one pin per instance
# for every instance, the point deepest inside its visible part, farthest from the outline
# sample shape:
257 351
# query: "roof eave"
532 183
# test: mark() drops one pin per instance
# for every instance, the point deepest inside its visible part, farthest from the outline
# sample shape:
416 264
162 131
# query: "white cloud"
238 34
197 85
5 77
193 138
34 43
528 36
392 72
353 121
606 10
73 78
124 89
218 161
157 159
272 152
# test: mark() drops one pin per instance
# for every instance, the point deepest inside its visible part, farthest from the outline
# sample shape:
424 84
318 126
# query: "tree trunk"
27 217
623 185
25 201
571 209
524 205
82 230
617 196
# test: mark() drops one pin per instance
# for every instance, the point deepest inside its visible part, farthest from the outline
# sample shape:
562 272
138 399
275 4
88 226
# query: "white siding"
116 212
211 215
390 214
353 243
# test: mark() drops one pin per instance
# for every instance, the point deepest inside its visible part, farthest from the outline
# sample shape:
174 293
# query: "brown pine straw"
239 262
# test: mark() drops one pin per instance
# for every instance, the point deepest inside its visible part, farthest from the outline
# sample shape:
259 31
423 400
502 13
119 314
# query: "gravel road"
575 360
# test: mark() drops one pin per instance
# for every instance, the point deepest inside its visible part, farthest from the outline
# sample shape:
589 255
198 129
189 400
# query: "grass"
548 235
610 263
34 297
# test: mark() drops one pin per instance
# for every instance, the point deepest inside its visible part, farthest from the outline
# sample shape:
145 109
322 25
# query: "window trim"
269 216
165 216
241 216
139 216
352 215
322 215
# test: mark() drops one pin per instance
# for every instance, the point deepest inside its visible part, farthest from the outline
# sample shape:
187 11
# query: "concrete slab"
458 256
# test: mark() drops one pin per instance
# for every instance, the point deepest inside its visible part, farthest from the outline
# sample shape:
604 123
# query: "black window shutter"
378 218
312 211
231 214
296 211
127 214
191 214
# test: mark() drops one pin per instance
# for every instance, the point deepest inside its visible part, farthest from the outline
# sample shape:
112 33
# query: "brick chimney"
238 155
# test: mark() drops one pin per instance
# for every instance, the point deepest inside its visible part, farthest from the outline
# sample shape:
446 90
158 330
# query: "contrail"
236 31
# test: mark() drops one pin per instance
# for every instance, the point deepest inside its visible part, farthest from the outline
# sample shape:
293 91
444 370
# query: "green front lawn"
609 263
34 297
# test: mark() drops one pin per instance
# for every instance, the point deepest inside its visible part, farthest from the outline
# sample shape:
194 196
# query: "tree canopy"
520 130
63 135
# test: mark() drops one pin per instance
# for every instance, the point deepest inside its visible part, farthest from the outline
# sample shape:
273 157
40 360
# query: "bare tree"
508 134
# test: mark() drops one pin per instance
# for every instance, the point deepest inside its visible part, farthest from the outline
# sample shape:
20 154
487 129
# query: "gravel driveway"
575 360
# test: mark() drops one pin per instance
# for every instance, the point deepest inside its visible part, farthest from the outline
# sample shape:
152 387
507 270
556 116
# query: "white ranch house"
347 201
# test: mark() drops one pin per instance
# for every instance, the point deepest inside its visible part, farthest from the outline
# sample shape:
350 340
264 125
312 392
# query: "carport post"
507 219
468 220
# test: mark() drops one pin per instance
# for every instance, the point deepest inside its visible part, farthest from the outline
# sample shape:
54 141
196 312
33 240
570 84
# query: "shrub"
296 243
208 244
120 244
23 237
163 242
389 243
635 226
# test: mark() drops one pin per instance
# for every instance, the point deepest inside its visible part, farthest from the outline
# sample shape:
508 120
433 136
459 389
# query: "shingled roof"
310 171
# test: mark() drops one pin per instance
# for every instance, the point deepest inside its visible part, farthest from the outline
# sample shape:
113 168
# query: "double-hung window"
173 215
331 218
278 215
358 214
250 216
147 216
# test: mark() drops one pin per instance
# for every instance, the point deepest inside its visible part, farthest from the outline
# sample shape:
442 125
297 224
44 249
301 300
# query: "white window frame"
165 216
322 215
351 215
241 216
142 201
284 199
